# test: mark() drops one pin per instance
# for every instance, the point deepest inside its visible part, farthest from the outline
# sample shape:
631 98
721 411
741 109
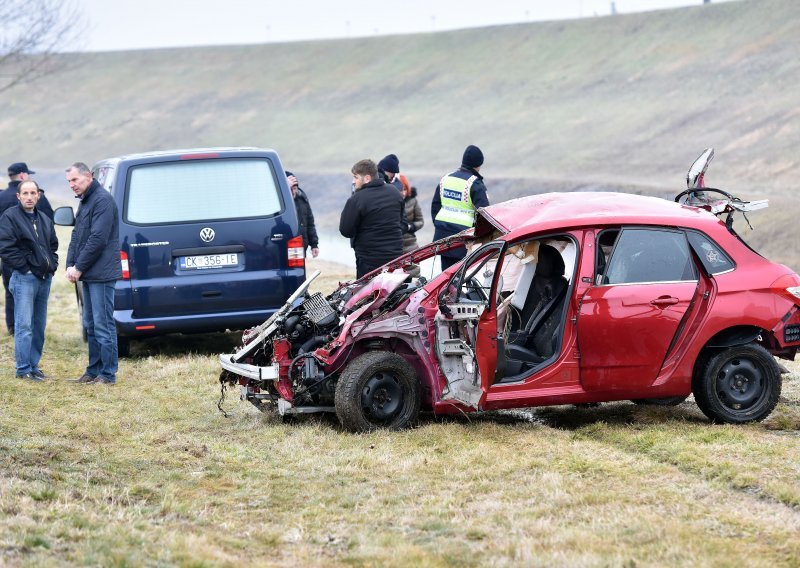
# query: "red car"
563 298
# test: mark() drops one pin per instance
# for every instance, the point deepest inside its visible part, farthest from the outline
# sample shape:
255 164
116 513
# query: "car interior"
535 308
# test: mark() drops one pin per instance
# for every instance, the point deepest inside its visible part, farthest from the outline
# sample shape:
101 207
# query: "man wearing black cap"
388 168
457 197
17 173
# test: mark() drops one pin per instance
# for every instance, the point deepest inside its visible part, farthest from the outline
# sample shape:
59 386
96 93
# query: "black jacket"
373 219
8 199
28 245
94 246
305 218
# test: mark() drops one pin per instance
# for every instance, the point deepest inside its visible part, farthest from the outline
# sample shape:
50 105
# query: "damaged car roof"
590 208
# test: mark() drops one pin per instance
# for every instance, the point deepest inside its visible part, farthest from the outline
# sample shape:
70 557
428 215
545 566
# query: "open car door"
466 327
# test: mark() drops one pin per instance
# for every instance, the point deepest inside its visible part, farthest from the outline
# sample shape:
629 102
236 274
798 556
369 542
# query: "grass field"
149 472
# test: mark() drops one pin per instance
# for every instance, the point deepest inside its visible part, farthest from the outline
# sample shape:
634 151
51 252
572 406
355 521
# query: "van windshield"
201 190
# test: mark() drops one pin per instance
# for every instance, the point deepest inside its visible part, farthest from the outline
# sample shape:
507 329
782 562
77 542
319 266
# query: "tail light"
296 252
788 286
126 269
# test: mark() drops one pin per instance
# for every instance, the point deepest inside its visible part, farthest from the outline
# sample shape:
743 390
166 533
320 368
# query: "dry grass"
150 473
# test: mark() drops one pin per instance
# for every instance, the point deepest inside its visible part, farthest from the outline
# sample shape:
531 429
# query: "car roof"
576 209
181 152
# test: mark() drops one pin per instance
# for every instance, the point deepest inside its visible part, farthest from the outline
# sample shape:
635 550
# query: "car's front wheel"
377 390
739 384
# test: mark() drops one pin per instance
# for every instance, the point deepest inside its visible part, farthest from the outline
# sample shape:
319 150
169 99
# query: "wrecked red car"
563 298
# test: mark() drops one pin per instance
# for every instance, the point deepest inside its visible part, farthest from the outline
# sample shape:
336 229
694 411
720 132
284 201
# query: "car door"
629 317
466 343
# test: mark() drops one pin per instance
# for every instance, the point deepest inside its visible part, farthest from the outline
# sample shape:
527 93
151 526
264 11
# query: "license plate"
205 261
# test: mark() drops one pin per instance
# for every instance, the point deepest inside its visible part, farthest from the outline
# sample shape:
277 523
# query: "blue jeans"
98 320
30 317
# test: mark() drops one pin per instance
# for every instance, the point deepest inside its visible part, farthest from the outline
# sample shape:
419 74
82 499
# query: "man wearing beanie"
372 219
457 197
388 168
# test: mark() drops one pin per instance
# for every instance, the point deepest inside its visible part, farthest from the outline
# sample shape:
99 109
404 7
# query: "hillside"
600 102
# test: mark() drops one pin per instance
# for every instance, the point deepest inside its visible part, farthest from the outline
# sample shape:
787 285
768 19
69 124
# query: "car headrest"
550 262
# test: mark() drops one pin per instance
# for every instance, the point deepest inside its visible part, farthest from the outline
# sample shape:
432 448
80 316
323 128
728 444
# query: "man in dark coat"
17 173
372 219
457 196
305 217
93 259
28 246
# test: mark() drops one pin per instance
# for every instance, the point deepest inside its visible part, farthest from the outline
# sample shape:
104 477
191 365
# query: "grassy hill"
615 101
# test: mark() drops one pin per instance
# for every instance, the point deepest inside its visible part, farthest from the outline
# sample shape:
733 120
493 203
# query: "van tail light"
296 252
788 286
126 269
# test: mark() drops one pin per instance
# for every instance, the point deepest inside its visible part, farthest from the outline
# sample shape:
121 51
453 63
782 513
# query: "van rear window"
201 190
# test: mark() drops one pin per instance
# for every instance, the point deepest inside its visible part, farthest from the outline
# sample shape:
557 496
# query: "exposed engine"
288 357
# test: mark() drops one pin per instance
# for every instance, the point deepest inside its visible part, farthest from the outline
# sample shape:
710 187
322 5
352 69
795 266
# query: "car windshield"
201 190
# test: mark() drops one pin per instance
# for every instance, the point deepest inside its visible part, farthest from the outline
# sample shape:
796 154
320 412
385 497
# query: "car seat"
541 314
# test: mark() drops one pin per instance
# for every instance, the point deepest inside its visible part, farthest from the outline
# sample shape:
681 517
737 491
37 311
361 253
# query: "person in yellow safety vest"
457 197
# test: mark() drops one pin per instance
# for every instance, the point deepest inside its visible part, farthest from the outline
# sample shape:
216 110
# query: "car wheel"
665 401
377 390
739 384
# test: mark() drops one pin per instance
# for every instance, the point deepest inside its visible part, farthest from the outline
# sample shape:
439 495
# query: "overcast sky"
135 24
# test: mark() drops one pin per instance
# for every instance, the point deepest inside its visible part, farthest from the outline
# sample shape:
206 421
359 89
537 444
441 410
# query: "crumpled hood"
380 287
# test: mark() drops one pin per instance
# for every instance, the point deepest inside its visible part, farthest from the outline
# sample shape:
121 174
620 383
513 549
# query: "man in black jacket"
93 260
17 173
28 246
305 217
372 219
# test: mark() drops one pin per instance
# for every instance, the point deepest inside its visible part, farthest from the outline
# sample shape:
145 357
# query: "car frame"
709 322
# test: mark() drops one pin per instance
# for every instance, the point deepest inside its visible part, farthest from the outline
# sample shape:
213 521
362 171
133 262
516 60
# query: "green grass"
149 472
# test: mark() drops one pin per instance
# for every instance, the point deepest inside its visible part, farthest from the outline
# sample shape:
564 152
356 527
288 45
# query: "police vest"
457 207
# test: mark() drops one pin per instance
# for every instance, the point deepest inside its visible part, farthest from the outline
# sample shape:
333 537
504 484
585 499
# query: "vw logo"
207 234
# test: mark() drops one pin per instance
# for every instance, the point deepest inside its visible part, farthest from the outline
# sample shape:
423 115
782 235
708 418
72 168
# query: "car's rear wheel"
739 384
377 390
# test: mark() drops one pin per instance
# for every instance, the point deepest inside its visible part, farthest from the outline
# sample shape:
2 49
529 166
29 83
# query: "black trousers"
7 270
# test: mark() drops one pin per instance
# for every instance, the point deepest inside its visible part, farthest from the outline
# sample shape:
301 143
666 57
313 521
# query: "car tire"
665 401
739 384
377 390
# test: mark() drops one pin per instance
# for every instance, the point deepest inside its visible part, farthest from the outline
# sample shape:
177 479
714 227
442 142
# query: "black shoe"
30 377
86 379
105 381
39 373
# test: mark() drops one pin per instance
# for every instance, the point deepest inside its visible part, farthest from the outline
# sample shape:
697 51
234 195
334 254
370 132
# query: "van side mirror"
64 216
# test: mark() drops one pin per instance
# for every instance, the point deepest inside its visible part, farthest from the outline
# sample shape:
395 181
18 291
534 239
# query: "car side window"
650 255
710 254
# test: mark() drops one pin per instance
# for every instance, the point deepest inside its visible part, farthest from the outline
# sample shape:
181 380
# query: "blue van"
209 240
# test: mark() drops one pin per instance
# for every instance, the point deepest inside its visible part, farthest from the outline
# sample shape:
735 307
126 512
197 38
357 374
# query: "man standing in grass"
28 246
93 259
372 219
457 196
18 172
